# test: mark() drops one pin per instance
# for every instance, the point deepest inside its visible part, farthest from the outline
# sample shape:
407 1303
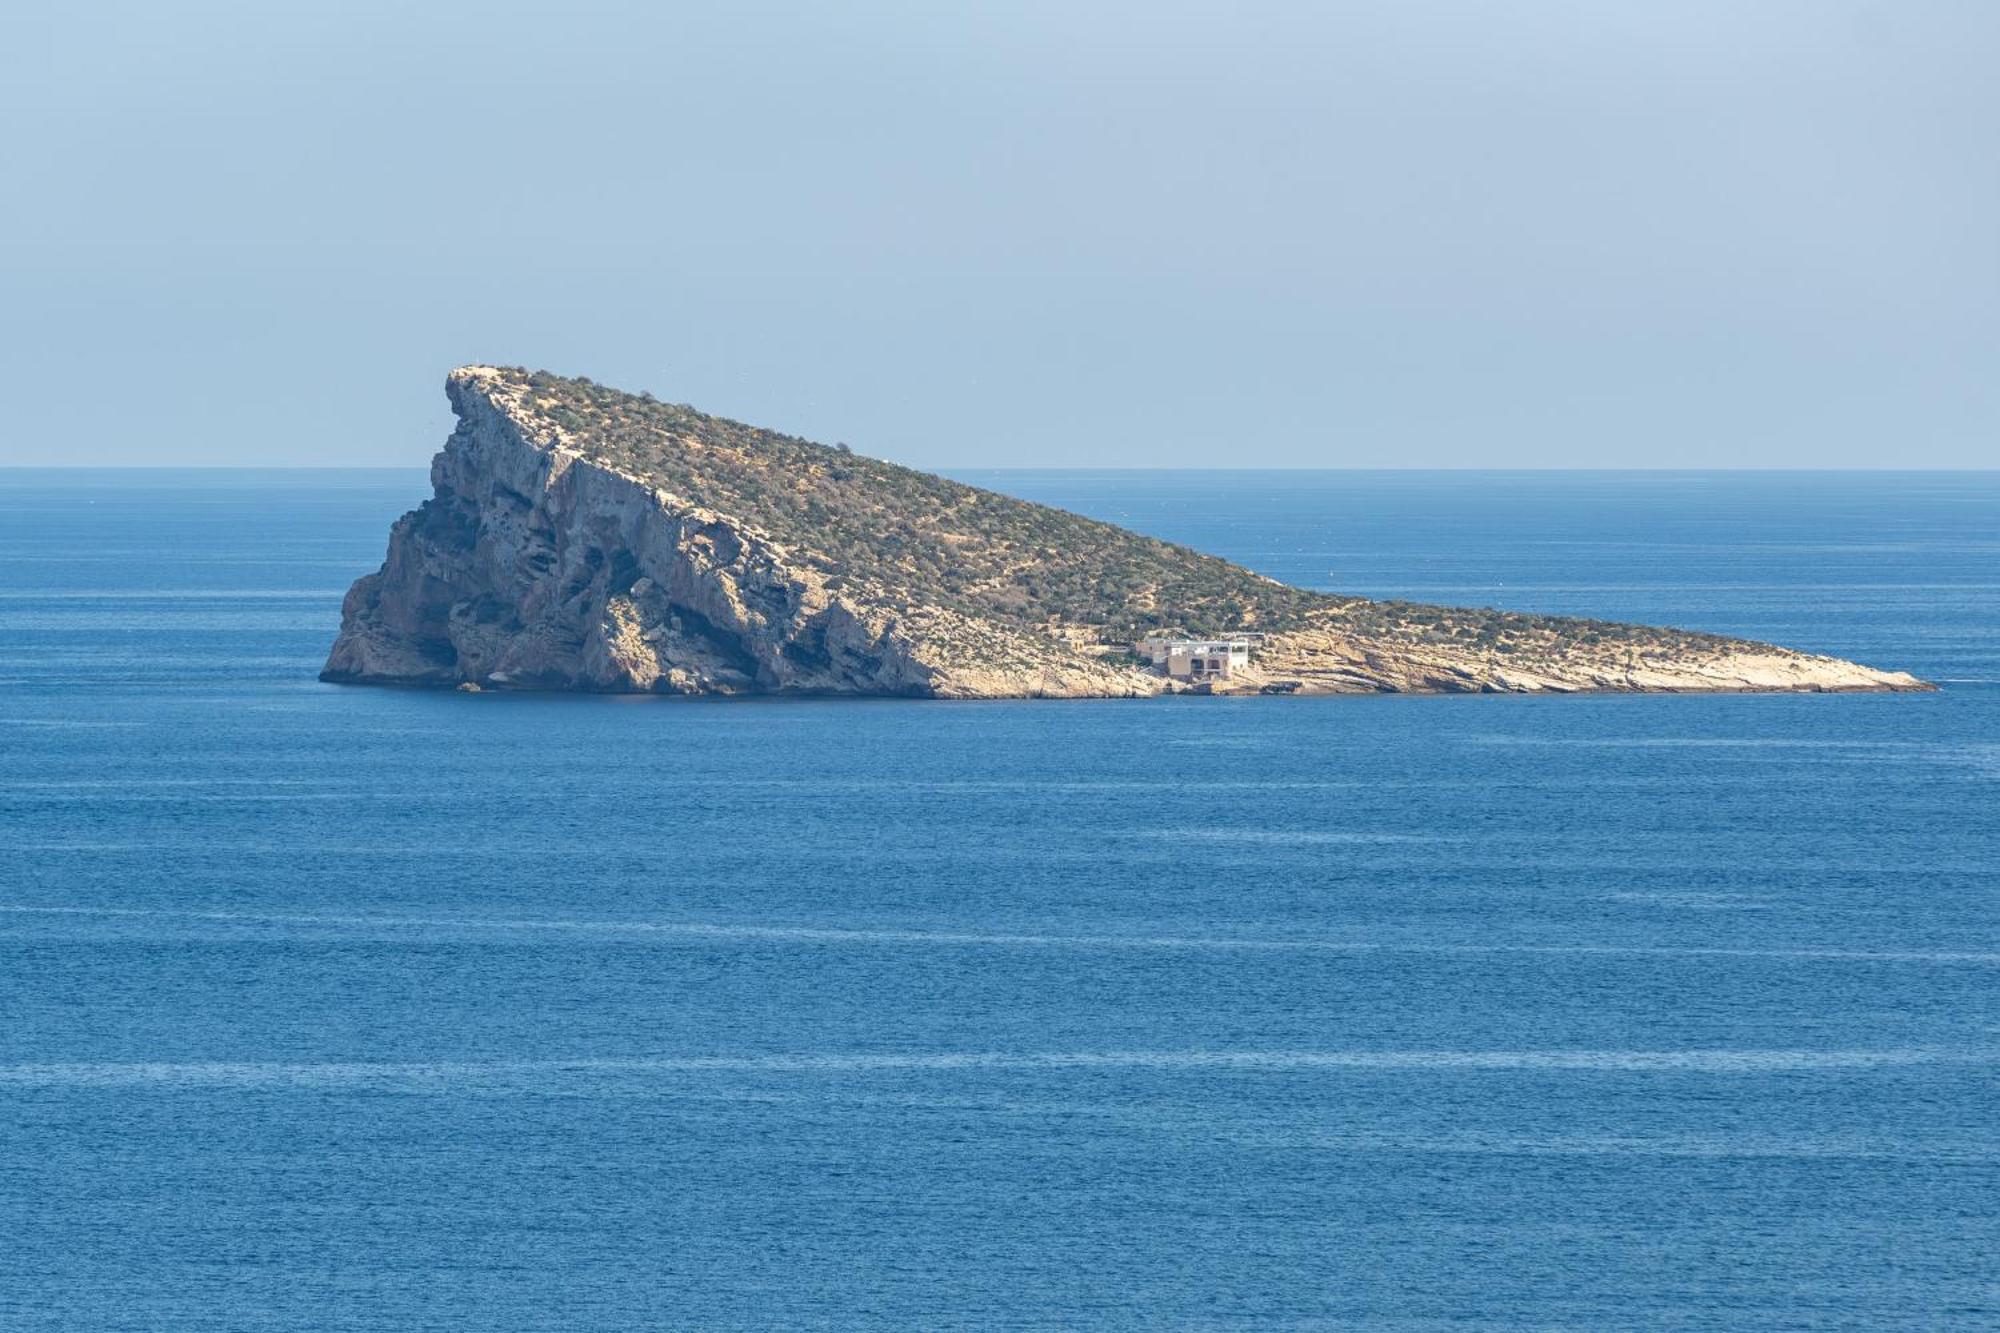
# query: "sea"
336 1008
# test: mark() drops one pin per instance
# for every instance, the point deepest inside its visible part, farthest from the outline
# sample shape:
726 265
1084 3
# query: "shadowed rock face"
557 553
536 566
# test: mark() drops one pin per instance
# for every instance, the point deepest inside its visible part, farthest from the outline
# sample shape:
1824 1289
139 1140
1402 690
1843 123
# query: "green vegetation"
938 542
1528 639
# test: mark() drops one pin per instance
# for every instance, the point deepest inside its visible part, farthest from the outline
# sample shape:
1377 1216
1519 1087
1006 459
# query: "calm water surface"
343 1009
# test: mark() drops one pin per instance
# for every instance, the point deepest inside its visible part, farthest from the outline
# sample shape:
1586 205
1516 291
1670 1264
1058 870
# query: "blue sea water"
331 1008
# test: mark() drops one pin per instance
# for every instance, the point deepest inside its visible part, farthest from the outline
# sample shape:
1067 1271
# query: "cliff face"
584 540
534 566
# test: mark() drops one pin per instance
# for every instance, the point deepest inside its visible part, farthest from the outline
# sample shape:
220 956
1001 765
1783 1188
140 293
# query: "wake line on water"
66 724
692 930
275 1074
1286 1134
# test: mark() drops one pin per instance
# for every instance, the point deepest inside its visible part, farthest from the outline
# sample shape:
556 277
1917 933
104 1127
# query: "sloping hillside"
583 538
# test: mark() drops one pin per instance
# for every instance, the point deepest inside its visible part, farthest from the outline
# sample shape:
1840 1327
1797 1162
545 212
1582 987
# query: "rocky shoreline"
547 559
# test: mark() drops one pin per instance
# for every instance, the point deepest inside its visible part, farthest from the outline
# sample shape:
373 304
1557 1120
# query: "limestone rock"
579 539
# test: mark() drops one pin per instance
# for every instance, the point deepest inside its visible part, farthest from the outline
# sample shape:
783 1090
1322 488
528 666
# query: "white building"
1199 659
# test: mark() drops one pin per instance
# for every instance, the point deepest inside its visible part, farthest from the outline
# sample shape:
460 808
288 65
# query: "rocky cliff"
582 539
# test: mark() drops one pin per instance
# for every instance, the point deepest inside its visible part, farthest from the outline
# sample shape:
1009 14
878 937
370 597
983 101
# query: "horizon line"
1940 469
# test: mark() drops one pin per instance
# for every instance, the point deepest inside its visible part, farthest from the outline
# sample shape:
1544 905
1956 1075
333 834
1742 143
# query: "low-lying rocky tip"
585 539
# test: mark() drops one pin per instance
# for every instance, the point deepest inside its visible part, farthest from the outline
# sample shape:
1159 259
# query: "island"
580 538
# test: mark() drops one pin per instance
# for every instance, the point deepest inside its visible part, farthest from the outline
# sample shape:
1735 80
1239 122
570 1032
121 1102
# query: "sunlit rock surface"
580 539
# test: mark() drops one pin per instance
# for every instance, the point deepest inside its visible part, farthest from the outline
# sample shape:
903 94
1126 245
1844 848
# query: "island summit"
585 539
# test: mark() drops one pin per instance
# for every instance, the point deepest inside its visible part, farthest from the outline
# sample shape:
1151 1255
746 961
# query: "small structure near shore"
1199 660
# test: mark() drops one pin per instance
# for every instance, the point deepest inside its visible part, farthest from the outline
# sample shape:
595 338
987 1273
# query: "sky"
1393 233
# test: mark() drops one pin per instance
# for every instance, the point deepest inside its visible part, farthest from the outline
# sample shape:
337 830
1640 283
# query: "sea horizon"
957 471
1038 668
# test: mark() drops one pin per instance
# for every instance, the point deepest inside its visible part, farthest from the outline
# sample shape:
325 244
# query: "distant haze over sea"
1630 233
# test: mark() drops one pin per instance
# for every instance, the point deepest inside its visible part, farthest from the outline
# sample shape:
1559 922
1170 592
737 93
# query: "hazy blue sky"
1655 233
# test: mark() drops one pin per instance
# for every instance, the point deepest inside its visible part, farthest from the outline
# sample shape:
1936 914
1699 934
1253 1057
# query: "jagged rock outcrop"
535 566
580 539
1328 661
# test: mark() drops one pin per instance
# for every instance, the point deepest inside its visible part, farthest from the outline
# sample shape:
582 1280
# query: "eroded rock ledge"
535 567
548 559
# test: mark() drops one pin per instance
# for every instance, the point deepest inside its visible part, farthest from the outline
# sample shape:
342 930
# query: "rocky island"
585 539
